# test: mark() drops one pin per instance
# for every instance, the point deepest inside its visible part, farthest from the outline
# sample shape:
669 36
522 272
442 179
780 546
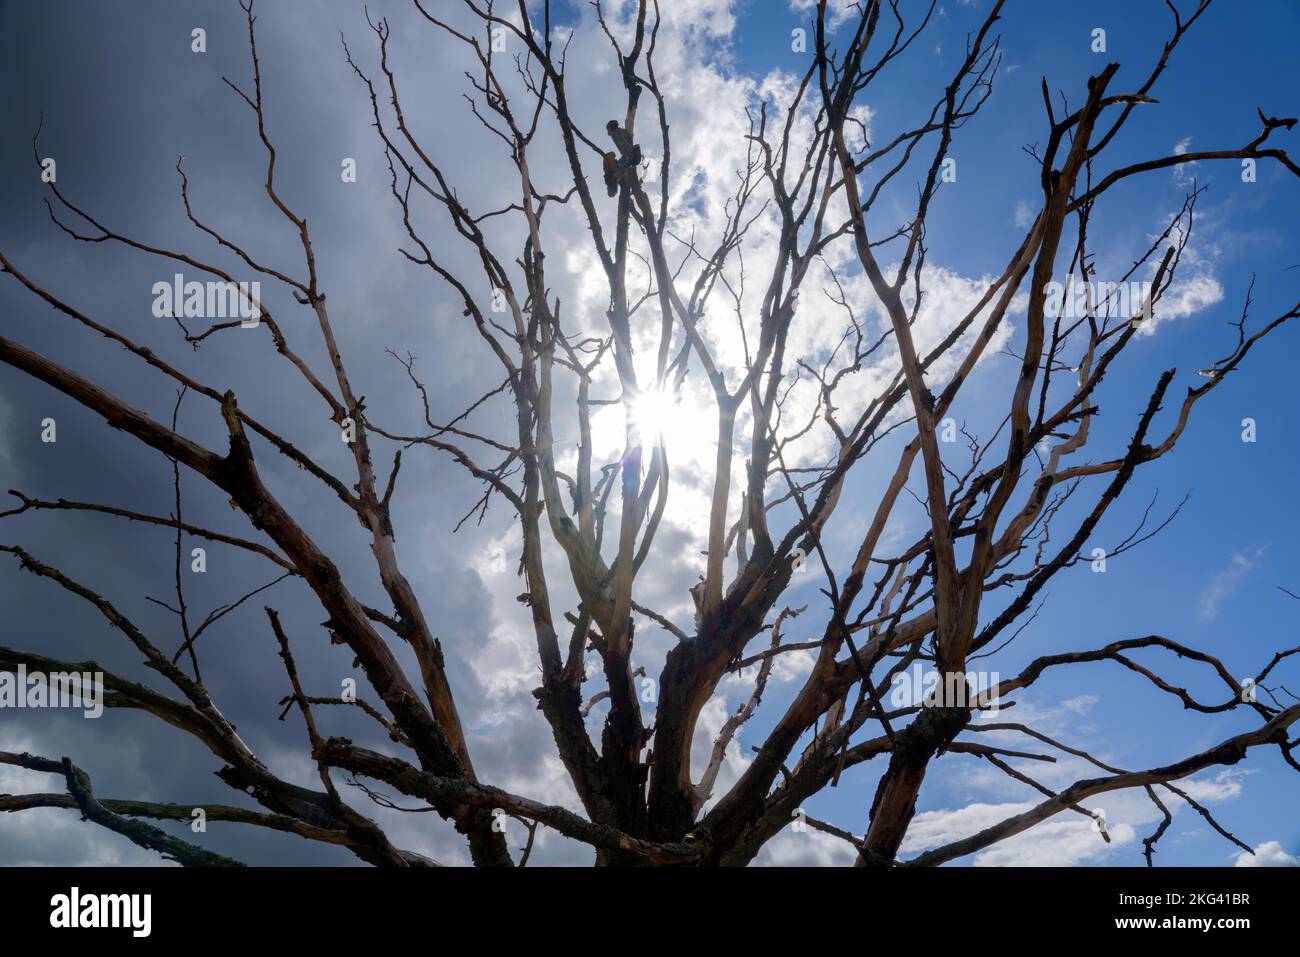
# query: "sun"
654 414
685 424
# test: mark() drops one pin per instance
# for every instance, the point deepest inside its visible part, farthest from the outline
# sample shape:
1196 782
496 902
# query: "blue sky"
1209 580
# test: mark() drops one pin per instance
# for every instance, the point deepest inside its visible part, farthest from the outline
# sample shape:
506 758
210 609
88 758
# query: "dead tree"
812 169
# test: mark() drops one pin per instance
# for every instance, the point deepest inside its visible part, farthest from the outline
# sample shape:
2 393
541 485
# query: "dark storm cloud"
123 96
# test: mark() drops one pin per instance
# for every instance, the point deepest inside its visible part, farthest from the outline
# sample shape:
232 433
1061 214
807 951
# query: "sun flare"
684 422
654 414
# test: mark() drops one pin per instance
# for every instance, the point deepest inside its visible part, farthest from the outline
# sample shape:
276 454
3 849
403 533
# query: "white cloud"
1065 840
1223 786
1226 581
1186 297
707 103
837 11
712 716
1023 216
1195 286
936 828
1080 704
1183 171
1268 854
1061 842
809 848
